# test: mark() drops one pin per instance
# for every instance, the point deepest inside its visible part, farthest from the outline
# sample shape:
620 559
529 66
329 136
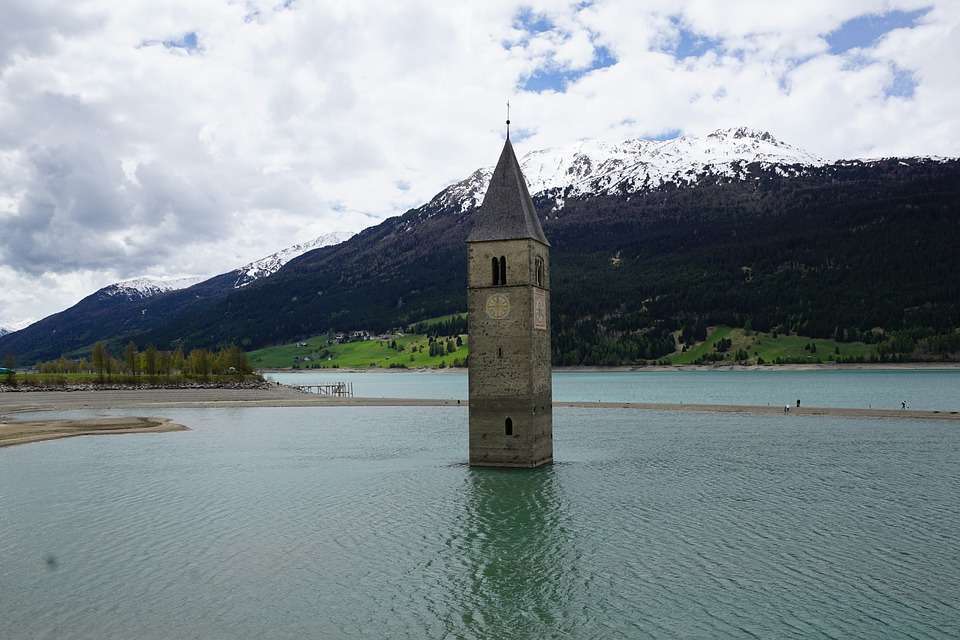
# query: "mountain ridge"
604 167
147 287
409 267
268 265
125 305
686 251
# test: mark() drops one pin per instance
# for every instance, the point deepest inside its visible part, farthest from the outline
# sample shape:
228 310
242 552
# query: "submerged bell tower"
508 298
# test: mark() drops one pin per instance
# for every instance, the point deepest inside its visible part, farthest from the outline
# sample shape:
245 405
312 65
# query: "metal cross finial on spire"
508 119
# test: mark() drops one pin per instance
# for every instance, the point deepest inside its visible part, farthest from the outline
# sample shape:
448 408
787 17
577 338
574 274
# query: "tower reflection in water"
519 557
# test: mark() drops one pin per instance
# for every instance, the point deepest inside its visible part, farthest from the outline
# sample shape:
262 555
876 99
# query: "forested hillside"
852 251
832 254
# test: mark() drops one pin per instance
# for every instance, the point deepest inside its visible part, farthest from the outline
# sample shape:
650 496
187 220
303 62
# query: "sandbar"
26 431
282 396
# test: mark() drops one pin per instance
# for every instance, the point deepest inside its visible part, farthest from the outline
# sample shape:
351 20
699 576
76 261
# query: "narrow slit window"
539 271
508 427
499 352
503 270
496 271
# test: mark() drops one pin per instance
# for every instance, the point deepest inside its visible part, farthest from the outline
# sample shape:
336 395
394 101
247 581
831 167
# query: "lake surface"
878 389
364 522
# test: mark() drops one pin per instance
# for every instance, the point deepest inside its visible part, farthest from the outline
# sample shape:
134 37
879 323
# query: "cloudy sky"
152 137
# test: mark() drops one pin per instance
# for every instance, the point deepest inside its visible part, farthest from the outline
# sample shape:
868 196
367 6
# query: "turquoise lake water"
921 389
364 522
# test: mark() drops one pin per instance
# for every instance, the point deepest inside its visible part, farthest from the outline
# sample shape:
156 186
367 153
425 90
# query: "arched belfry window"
503 270
496 270
539 271
508 427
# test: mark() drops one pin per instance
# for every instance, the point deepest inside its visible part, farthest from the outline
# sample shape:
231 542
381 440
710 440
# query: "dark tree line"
450 327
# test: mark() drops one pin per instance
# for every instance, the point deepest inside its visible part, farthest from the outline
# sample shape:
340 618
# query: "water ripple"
347 523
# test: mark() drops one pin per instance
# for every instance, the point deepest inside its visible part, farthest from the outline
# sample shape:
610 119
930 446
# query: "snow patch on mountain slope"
271 264
597 167
12 327
146 287
139 288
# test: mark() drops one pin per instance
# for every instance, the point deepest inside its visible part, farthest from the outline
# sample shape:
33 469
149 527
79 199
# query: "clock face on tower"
498 306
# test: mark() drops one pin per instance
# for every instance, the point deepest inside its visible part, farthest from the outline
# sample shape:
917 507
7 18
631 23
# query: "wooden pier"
333 389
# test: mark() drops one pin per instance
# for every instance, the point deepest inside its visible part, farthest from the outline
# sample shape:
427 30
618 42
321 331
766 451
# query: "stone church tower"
508 291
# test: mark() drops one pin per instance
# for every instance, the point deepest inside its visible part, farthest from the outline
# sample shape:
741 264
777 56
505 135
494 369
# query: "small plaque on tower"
539 309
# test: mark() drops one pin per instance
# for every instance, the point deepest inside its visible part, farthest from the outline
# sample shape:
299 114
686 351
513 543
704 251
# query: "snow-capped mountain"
13 327
411 266
271 264
139 288
596 167
142 288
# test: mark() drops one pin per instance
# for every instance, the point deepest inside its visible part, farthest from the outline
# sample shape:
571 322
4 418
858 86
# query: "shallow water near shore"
358 522
937 389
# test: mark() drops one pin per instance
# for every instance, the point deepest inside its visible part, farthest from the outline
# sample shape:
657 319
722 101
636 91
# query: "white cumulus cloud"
182 137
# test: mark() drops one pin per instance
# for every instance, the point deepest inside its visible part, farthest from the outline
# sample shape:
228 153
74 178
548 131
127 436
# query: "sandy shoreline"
26 431
275 396
279 396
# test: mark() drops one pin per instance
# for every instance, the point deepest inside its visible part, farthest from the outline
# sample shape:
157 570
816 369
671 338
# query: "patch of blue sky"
556 78
553 77
690 44
666 134
864 31
529 21
188 41
903 85
519 134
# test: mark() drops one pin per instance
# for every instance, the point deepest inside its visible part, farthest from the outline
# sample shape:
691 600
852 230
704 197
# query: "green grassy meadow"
765 349
412 352
695 352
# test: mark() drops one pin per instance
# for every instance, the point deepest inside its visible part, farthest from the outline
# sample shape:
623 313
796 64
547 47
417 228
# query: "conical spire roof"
507 211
